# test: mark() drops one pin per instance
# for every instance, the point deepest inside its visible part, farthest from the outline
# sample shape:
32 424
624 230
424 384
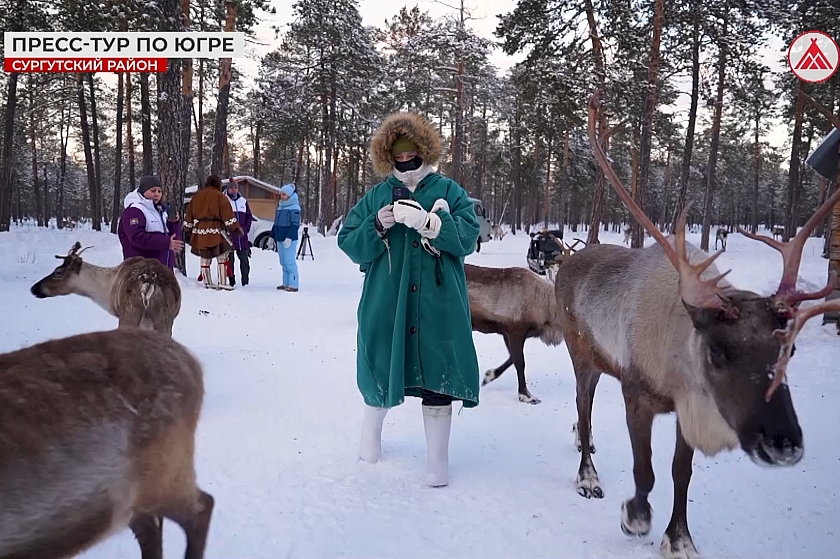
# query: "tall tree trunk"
39 210
64 137
47 204
97 164
714 146
547 201
638 236
685 173
516 217
129 137
666 190
186 126
96 218
299 163
199 127
146 121
116 206
172 163
16 22
601 77
7 162
757 169
220 131
257 134
793 173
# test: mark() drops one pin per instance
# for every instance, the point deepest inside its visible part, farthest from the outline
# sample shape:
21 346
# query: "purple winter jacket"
243 214
133 234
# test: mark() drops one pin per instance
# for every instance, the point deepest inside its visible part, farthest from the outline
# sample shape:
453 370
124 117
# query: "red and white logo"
813 56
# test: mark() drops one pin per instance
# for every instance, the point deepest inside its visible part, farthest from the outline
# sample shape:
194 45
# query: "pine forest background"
74 145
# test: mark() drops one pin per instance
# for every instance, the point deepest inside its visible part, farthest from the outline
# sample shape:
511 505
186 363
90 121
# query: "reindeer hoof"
489 376
635 520
528 399
589 486
681 548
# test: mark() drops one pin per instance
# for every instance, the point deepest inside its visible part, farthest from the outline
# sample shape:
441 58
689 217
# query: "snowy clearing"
277 441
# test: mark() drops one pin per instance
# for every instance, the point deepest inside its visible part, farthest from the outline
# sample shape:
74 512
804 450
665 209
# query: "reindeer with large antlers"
680 338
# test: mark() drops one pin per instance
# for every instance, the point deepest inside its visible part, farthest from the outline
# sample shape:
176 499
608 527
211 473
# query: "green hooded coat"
414 327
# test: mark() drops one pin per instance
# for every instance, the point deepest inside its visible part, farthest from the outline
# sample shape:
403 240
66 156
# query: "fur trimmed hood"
415 126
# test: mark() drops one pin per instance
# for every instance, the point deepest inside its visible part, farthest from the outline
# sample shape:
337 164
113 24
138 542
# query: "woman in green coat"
409 235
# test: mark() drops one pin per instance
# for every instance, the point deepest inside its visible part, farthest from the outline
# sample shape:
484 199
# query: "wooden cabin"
262 196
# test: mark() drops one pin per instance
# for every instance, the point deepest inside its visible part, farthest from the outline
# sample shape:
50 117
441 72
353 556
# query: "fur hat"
416 128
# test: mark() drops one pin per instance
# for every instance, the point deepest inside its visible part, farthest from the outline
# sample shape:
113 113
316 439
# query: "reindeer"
721 235
140 292
679 338
97 433
518 304
627 234
778 231
497 232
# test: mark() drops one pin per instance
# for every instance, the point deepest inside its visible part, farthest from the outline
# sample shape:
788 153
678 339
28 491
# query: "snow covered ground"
278 435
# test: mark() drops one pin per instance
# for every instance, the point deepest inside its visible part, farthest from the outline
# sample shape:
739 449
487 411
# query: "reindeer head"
742 341
62 280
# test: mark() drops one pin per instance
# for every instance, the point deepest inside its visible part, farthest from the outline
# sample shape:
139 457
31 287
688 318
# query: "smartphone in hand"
400 193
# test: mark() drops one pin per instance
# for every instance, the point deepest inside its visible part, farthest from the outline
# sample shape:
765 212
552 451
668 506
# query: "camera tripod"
304 243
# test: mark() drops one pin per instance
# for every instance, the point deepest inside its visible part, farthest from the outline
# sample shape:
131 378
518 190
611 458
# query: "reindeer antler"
788 336
75 250
787 294
693 290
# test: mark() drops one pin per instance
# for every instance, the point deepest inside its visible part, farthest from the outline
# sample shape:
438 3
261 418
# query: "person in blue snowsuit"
285 234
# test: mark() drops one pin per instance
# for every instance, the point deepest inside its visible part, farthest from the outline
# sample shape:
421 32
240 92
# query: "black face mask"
410 165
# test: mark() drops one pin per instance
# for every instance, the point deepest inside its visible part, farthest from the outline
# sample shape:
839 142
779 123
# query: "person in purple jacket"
241 246
145 228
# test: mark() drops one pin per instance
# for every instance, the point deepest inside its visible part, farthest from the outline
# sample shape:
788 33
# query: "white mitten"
410 213
385 216
440 204
432 229
287 243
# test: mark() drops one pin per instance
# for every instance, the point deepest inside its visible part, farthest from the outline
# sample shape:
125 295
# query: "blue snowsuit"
285 234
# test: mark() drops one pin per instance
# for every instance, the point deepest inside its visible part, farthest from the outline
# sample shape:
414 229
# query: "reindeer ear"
702 318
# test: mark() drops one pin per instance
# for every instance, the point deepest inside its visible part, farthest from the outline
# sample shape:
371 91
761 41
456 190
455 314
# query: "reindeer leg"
148 530
194 519
677 543
492 374
593 385
636 512
517 353
586 376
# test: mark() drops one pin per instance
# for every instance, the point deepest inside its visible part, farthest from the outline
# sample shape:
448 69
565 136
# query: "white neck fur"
94 282
701 423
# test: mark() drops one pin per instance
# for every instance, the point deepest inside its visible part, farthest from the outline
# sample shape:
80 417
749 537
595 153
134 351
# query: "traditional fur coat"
209 214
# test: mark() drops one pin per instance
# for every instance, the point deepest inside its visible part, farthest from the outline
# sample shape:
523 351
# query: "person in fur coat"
409 234
211 222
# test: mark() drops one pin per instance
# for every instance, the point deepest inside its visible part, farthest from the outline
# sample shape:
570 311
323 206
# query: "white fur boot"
437 422
205 275
223 279
370 445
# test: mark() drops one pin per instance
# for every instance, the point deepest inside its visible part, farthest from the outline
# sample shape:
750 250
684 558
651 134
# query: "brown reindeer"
518 304
140 292
97 433
681 339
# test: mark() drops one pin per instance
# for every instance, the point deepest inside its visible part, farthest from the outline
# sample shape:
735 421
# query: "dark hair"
214 181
